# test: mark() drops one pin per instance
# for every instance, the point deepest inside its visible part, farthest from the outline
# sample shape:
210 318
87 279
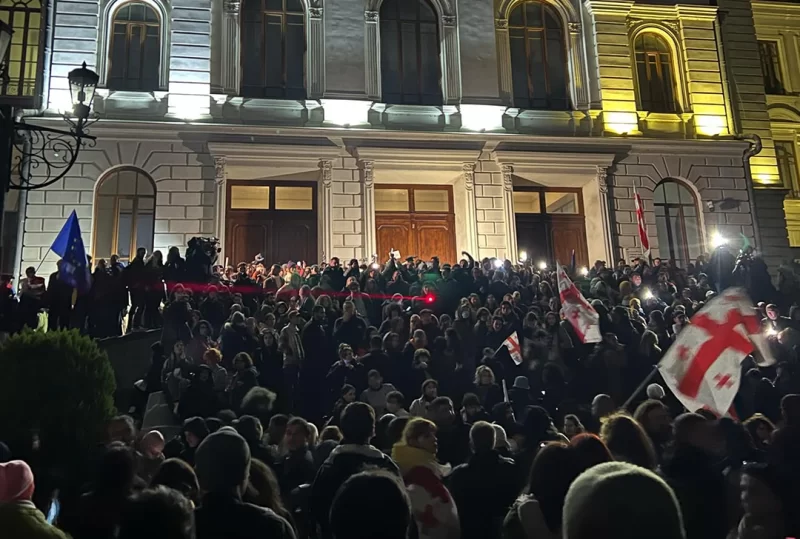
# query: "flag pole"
42 260
641 386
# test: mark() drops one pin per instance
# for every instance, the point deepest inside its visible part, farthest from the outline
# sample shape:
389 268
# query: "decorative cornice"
369 173
232 6
371 16
469 175
315 12
326 166
219 169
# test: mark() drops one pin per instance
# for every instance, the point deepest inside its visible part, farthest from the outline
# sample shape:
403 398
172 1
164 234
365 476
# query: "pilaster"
231 47
504 61
368 178
508 212
471 219
372 47
315 55
326 208
605 215
221 187
451 63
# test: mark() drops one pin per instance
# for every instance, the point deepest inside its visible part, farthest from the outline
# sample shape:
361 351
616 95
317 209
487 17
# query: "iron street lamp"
35 156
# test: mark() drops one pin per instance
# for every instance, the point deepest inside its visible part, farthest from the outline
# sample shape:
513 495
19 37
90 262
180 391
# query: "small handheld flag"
643 237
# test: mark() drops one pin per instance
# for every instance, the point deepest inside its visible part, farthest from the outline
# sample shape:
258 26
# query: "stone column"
326 207
315 54
231 47
605 215
471 217
451 63
368 207
504 60
508 212
372 51
221 185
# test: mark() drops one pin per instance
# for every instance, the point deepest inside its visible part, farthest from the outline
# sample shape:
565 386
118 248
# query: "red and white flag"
577 310
643 238
703 365
512 344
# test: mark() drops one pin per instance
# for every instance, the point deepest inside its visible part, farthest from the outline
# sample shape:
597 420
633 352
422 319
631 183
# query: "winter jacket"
483 489
344 461
21 520
226 516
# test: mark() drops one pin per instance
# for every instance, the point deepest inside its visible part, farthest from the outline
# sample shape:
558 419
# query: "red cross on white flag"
576 310
512 343
703 366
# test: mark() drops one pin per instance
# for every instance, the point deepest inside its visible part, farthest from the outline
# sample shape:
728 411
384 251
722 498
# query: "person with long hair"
760 429
485 387
263 490
628 441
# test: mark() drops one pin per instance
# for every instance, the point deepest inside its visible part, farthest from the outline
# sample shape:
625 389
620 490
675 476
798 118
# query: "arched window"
124 214
654 73
410 64
273 49
538 57
135 51
677 222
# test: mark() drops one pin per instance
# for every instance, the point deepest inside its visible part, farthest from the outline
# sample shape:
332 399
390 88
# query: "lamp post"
44 154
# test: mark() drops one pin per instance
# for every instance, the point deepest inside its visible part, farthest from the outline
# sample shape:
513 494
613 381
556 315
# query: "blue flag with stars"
69 246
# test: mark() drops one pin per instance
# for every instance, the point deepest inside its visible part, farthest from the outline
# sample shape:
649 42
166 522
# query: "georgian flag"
577 310
643 238
703 365
512 344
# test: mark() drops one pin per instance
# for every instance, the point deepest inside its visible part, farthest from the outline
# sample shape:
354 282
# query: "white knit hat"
655 391
622 501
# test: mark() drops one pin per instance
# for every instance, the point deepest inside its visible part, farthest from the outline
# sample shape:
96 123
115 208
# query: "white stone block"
162 199
483 178
495 241
161 226
206 227
337 188
340 175
36 197
171 185
40 239
352 213
482 203
62 197
493 215
352 188
352 240
33 225
349 162
170 212
79 184
52 210
337 213
186 172
342 201
184 226
54 225
492 191
338 240
83 212
344 227
485 228
208 199
201 186
199 212
357 201
87 197
186 199
169 239
30 254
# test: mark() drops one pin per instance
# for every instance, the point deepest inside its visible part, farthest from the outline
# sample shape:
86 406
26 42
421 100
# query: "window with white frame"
134 56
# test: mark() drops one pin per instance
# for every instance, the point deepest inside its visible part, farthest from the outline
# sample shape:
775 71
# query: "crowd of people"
378 400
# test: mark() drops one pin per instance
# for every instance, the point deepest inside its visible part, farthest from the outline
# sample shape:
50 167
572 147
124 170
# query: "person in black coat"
135 276
350 328
335 274
484 487
319 355
351 456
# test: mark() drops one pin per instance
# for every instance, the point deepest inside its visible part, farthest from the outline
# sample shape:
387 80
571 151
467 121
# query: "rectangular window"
771 67
561 203
23 52
392 200
294 198
431 200
527 202
249 197
787 166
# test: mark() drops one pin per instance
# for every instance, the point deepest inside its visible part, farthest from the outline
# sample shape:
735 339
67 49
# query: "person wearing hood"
201 341
199 399
432 504
195 431
19 518
235 339
485 486
245 379
350 457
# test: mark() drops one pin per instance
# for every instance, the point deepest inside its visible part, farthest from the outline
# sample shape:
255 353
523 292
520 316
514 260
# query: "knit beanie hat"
222 461
196 426
655 391
16 482
623 501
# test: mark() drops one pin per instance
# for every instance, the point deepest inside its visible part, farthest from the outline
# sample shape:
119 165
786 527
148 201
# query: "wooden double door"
550 224
417 221
275 219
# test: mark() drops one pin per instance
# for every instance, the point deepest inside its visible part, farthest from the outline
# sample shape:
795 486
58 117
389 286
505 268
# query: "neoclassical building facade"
306 129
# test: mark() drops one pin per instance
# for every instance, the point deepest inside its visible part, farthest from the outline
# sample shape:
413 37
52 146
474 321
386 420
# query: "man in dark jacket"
335 274
484 487
135 276
351 456
297 466
350 328
222 465
59 301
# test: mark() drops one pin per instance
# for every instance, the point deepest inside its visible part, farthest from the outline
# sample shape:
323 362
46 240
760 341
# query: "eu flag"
69 246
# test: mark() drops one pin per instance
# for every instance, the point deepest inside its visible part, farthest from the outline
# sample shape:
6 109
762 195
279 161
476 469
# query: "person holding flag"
644 239
576 310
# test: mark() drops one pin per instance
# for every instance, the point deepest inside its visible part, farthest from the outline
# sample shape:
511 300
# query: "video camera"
201 255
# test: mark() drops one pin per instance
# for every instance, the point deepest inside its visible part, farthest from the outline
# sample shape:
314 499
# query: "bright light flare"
647 294
542 265
376 266
523 256
498 263
718 240
584 271
770 332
